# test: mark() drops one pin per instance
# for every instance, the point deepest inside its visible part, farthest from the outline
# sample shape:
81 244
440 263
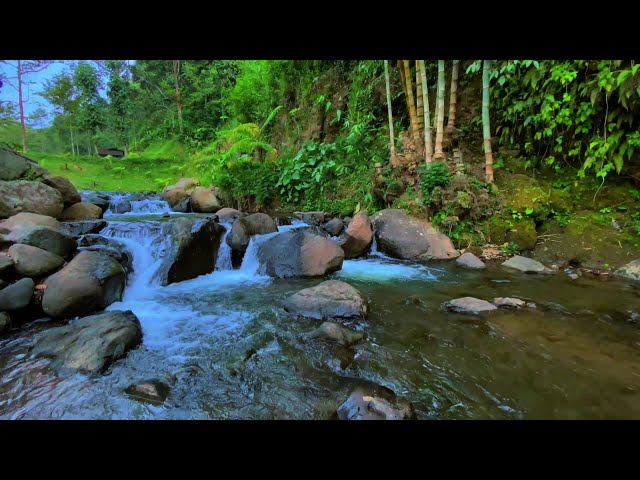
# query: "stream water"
230 351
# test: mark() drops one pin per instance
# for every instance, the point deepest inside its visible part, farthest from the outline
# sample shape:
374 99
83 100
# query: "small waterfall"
223 262
374 250
295 223
115 199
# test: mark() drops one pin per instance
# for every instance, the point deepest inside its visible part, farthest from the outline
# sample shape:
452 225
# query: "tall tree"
453 99
176 79
439 154
413 116
61 93
119 93
90 112
428 149
486 128
420 109
392 142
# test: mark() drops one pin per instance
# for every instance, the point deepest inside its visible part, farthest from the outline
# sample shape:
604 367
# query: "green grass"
137 173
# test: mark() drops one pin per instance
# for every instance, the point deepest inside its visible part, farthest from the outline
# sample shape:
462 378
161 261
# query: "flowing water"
230 351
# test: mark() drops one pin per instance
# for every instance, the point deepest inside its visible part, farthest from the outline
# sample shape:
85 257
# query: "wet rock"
508 302
205 200
333 332
107 246
123 206
299 253
76 229
333 227
193 249
90 282
5 322
405 237
49 239
469 305
166 215
32 261
69 193
375 404
99 199
178 199
81 211
630 271
330 299
26 196
358 237
12 166
17 296
311 218
6 262
226 214
469 260
90 344
347 220
526 265
153 391
245 227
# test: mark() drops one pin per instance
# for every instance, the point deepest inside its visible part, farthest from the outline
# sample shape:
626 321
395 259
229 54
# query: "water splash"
223 262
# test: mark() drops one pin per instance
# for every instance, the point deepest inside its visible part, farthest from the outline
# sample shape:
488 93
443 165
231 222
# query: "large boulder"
205 200
32 261
334 227
85 227
187 183
358 237
402 236
177 198
469 305
90 344
25 218
630 271
298 253
12 166
6 262
332 332
46 238
97 243
81 211
469 260
193 249
330 299
17 295
90 282
245 227
69 193
226 214
99 199
526 265
26 196
375 403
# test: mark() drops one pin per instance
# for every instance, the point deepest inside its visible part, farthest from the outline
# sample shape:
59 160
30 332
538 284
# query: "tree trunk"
403 81
428 150
25 146
420 111
73 153
453 99
126 149
413 116
176 73
392 141
486 128
438 154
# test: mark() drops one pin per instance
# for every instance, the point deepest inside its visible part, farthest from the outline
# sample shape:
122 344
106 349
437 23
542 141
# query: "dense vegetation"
316 135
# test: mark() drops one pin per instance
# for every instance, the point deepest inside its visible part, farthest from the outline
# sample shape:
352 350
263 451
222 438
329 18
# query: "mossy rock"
523 232
498 228
522 192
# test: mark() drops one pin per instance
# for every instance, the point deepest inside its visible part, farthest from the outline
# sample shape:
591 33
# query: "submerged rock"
153 391
526 265
17 295
469 260
26 196
32 261
333 332
469 305
508 302
90 344
405 237
358 237
90 282
330 299
377 403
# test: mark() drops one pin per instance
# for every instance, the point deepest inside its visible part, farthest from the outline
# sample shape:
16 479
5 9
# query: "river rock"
469 260
377 403
153 391
12 166
30 219
358 237
334 226
311 218
3 284
69 193
330 299
630 271
187 183
469 305
123 206
245 227
90 282
333 332
508 302
99 199
97 243
26 196
178 199
526 265
46 238
81 211
90 344
193 249
226 214
205 200
6 262
298 253
32 261
405 237
5 322
76 229
17 295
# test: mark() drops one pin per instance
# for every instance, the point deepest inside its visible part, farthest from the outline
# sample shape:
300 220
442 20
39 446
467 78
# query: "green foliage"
433 175
512 248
